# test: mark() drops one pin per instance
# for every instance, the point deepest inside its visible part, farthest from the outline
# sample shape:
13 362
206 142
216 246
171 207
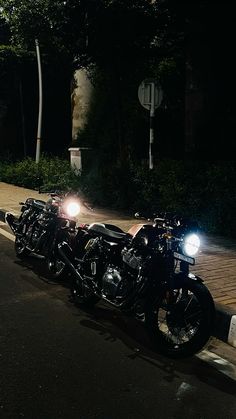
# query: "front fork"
176 279
184 267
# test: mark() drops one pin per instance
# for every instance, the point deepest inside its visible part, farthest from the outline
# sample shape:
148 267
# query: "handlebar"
167 219
51 192
162 217
60 196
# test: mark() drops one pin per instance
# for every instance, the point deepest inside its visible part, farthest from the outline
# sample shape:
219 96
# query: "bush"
205 192
49 174
202 191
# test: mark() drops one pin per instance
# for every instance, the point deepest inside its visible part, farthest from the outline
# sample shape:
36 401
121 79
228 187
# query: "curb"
225 322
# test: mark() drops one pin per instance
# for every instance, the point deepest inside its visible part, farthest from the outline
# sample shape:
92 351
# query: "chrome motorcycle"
145 272
42 225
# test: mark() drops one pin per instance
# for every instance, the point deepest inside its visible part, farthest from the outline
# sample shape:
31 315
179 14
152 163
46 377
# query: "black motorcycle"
145 272
42 225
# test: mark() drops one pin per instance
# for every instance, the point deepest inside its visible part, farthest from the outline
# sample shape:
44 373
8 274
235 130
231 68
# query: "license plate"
187 259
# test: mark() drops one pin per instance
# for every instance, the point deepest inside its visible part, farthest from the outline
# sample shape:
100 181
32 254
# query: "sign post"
150 96
38 143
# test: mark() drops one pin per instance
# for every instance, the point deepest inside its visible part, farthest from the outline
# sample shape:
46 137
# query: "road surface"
58 361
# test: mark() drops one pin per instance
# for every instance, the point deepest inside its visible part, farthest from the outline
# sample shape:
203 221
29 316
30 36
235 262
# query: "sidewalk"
216 263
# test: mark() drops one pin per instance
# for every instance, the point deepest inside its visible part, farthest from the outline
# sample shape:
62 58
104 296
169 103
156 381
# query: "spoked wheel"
20 248
81 295
180 323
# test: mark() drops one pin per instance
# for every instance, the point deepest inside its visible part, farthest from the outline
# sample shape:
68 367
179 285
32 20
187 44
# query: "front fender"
180 277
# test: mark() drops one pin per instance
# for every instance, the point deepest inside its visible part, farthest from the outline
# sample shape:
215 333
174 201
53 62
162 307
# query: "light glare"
73 209
191 244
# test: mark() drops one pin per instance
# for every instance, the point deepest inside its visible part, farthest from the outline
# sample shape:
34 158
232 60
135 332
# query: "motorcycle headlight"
72 208
191 244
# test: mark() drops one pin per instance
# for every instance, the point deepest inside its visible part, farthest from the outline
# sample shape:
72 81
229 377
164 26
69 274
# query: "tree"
18 63
121 41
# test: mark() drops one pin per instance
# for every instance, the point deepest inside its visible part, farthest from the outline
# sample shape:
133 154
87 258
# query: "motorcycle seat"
108 231
38 203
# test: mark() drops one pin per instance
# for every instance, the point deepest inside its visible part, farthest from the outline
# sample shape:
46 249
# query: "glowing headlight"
191 245
72 208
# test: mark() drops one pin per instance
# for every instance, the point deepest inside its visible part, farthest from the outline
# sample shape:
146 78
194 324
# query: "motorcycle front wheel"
181 321
20 248
57 268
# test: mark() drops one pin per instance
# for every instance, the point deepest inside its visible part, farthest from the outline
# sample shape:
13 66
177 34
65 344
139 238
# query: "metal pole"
152 115
38 144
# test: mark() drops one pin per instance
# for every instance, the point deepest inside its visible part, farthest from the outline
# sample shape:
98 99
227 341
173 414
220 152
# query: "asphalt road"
57 361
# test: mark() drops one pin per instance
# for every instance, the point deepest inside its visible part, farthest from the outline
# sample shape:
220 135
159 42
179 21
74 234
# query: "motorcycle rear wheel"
180 322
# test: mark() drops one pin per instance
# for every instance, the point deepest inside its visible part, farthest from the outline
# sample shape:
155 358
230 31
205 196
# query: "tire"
57 269
181 321
80 295
20 248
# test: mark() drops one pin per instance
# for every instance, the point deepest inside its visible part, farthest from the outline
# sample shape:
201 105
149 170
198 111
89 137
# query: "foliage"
11 59
124 42
87 30
49 174
203 191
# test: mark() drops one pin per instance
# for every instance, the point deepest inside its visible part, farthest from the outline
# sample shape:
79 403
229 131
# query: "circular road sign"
150 93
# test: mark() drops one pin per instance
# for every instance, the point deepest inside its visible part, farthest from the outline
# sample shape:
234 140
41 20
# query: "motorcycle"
42 225
145 272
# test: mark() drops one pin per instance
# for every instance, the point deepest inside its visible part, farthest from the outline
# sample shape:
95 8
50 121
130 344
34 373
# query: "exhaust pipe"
12 221
66 254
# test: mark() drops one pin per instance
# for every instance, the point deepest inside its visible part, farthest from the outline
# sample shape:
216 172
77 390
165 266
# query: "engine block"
113 284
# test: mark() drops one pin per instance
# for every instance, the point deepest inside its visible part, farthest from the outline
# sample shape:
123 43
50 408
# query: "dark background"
198 121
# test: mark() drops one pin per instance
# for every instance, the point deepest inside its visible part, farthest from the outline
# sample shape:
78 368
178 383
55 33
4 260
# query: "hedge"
203 191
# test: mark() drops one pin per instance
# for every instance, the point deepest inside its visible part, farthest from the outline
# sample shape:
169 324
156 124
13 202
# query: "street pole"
152 118
150 96
38 144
